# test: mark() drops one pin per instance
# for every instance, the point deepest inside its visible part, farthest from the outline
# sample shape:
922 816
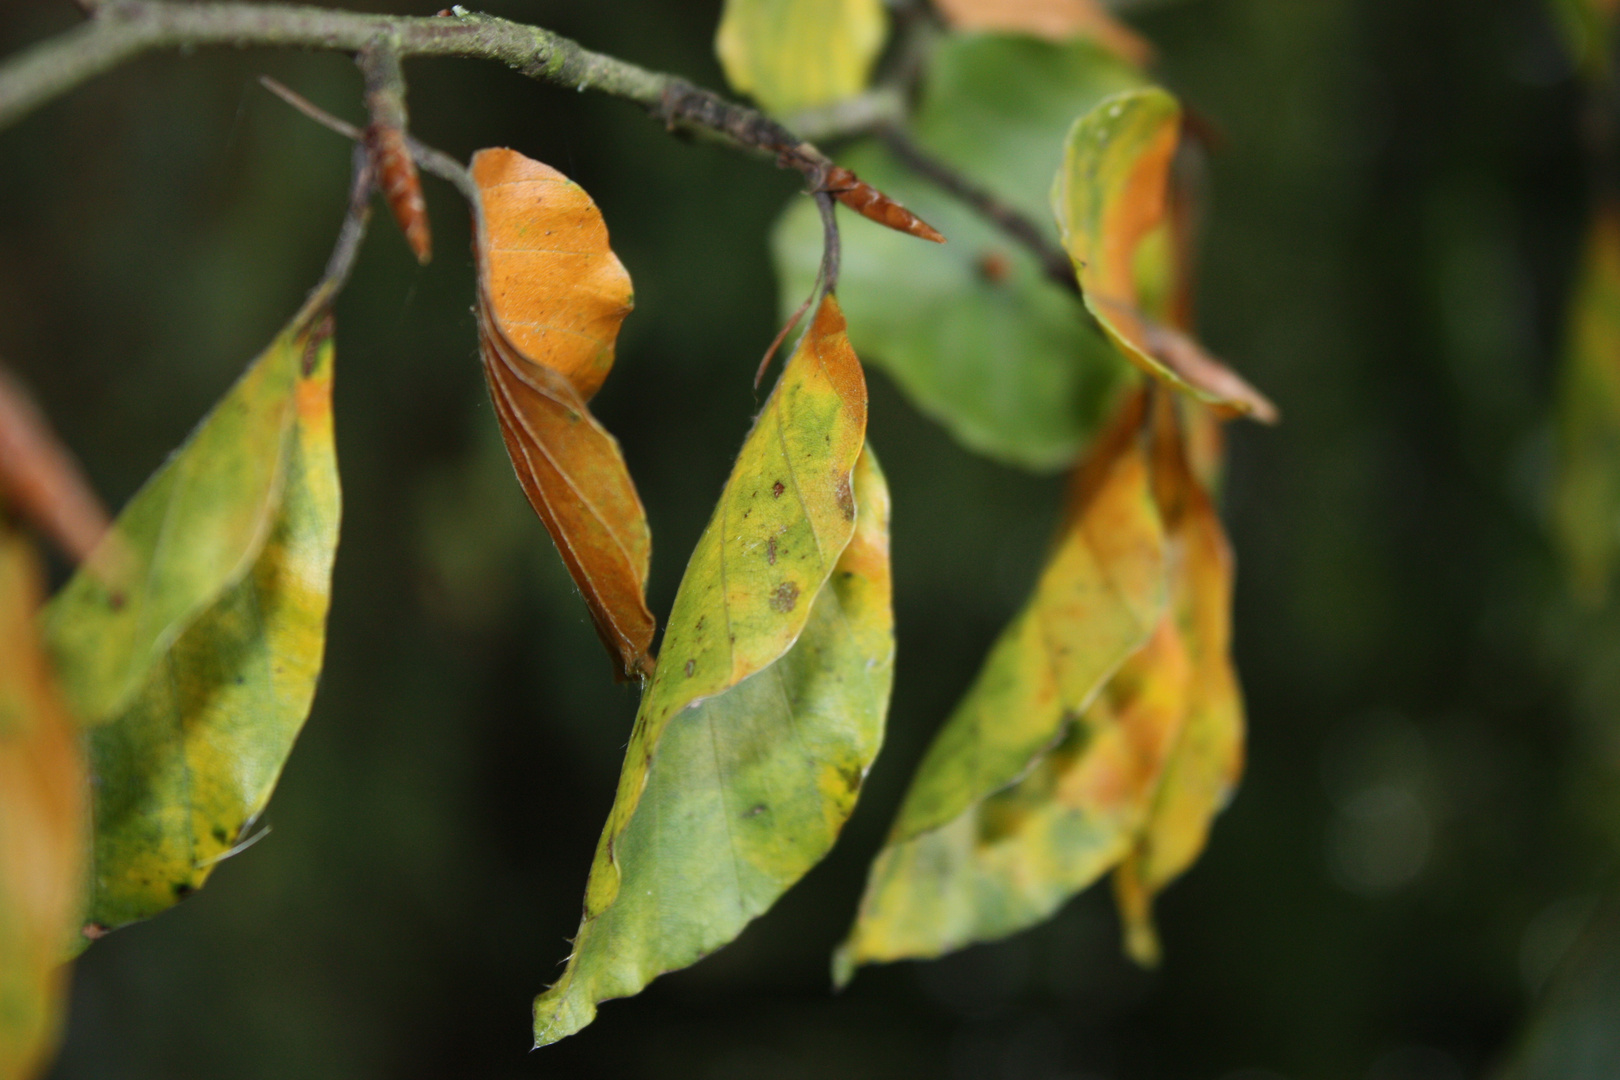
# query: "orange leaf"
39 477
44 821
1055 20
551 298
549 277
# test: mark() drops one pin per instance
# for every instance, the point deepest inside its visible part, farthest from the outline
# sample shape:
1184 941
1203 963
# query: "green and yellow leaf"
1586 495
795 54
44 800
941 881
187 767
974 332
186 537
1109 197
767 709
551 298
1129 777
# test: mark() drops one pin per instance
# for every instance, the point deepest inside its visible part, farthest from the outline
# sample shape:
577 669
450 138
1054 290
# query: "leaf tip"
1142 943
844 966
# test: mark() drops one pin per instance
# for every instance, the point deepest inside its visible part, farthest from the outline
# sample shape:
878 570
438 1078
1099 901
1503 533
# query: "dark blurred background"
1430 812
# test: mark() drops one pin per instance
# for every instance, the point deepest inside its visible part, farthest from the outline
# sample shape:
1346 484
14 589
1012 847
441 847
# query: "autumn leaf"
1129 780
190 533
1099 598
40 478
1205 755
757 730
1054 20
975 333
1586 493
185 771
43 824
794 54
1018 855
552 296
1109 197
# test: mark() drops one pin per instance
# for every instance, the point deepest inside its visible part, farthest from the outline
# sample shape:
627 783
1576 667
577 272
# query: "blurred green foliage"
1397 200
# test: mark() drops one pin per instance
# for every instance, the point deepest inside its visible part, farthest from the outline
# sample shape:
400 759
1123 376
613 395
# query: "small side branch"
1054 260
395 172
434 161
353 230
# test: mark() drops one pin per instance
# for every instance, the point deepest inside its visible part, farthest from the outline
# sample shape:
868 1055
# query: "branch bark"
120 30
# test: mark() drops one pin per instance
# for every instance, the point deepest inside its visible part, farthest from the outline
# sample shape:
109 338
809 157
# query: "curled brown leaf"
552 296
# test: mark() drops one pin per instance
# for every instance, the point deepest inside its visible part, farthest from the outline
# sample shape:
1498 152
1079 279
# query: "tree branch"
1055 262
123 29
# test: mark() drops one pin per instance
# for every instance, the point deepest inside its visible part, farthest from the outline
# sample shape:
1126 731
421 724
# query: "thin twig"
831 245
434 161
850 116
310 109
353 230
1055 262
826 277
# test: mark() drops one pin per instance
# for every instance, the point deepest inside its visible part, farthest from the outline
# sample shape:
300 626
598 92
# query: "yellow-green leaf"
1109 197
1586 498
794 54
1017 856
188 535
43 826
767 707
185 770
1010 764
1096 602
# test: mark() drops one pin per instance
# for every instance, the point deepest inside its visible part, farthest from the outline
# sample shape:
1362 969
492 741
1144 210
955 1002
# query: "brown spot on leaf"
777 489
845 499
691 666
770 551
95 931
785 597
994 267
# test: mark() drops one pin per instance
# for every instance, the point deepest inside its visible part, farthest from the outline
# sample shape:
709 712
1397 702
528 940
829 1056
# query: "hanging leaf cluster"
1102 735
